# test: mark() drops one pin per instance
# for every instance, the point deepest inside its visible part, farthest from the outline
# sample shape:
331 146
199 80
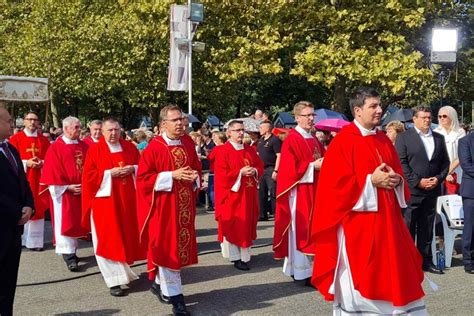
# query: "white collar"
236 146
114 148
364 131
69 141
303 133
94 140
30 134
171 142
422 134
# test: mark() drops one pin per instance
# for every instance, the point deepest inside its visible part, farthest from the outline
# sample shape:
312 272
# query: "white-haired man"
62 172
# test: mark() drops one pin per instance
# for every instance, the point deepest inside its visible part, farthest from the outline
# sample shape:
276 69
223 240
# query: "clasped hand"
34 162
247 171
428 183
185 174
122 171
384 177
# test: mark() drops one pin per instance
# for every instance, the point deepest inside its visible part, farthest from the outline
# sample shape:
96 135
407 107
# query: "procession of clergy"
338 222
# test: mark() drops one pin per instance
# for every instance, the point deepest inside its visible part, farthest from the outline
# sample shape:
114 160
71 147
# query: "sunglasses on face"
443 116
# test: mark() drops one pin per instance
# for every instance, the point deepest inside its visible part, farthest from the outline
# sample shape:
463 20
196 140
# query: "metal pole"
190 54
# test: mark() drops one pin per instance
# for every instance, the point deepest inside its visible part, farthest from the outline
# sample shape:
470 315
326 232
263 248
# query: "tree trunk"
340 104
54 111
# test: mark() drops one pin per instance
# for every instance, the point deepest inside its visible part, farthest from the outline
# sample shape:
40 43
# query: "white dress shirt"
428 142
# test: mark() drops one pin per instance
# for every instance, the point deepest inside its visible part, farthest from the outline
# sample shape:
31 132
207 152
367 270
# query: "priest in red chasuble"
366 261
109 206
95 132
238 168
168 178
32 146
62 173
300 162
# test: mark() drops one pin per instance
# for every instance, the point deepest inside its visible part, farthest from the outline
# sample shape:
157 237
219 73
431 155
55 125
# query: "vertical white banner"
178 66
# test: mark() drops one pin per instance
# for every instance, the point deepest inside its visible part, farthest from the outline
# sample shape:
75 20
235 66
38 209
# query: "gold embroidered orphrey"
185 198
79 158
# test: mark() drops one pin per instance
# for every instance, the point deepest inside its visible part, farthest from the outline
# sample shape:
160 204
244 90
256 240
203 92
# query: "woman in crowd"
393 129
452 132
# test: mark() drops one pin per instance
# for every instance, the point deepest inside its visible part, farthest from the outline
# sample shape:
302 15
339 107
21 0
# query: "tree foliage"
111 56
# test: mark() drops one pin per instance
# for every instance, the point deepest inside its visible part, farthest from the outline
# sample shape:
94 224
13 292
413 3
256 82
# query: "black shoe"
240 265
39 249
72 266
179 307
432 269
469 269
210 211
263 219
116 291
156 290
307 282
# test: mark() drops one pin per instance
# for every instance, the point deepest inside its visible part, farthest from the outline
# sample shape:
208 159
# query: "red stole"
297 153
384 262
166 219
30 147
63 166
237 212
115 217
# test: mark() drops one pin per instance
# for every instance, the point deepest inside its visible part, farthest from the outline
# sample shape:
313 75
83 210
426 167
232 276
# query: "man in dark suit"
466 157
16 208
425 163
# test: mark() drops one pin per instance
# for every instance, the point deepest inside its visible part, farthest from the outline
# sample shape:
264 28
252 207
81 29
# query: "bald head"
6 124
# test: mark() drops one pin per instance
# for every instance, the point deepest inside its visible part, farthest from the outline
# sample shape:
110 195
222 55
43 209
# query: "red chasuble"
296 154
30 147
384 262
166 219
115 217
237 212
89 141
63 166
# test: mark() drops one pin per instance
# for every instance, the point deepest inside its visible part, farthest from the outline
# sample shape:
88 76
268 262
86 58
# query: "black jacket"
416 165
15 192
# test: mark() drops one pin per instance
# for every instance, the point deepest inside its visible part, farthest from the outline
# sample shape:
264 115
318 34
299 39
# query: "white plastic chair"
449 208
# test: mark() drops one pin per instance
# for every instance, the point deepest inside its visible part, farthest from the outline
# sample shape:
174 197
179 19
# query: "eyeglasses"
176 120
238 130
31 119
443 116
308 115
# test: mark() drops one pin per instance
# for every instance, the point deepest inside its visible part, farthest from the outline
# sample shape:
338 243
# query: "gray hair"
70 120
453 115
94 122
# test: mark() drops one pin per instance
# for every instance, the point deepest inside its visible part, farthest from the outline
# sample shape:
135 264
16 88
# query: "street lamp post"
444 42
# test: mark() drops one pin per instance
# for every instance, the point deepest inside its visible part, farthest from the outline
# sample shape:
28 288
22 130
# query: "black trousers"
267 185
468 233
10 251
419 217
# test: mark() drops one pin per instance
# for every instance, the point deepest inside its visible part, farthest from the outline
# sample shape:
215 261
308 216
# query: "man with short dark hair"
268 149
366 261
109 206
425 163
167 181
32 146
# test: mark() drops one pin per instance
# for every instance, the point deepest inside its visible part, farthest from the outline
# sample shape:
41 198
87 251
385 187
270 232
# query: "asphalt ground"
212 287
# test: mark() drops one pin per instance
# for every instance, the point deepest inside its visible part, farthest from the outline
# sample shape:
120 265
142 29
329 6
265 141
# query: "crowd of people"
348 208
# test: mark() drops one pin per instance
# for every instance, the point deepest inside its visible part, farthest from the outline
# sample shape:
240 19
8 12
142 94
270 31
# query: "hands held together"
185 174
384 177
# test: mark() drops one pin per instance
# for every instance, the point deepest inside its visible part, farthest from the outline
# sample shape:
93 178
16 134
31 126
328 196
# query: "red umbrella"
331 125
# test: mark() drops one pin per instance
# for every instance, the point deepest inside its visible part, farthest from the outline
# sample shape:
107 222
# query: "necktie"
10 158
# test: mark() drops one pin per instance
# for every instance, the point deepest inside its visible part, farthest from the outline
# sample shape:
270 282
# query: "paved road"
213 287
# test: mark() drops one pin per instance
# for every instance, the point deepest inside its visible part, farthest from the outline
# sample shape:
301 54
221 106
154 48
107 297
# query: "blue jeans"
210 189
